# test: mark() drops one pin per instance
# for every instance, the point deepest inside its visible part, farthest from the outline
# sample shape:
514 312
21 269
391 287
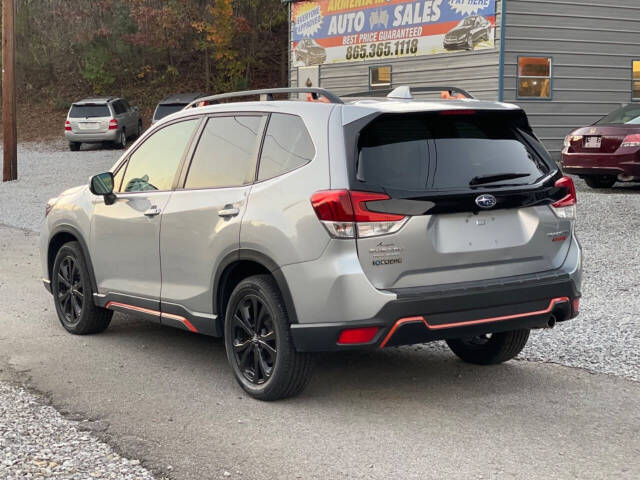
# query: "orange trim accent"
135 309
182 320
402 321
398 324
155 313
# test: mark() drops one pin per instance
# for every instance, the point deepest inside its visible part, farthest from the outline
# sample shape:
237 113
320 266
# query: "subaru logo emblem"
486 201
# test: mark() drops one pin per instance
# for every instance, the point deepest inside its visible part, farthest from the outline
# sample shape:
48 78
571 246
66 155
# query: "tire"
470 42
121 143
600 181
73 294
268 367
490 350
74 146
139 130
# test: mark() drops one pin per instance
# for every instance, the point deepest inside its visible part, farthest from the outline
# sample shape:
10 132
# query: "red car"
606 152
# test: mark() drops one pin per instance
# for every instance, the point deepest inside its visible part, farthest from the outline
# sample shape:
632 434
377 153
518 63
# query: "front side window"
287 146
227 153
635 94
154 165
534 77
380 77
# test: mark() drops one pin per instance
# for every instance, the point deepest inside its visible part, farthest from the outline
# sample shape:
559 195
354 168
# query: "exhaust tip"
552 321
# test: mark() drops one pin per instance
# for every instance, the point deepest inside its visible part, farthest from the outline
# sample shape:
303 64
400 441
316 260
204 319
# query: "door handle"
229 212
152 212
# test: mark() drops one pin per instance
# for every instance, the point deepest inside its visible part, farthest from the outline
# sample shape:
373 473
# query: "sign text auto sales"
347 30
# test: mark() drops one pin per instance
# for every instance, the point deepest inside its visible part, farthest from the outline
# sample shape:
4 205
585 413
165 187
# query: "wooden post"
9 128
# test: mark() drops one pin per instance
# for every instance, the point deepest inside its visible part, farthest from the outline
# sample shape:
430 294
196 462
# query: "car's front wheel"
258 342
600 181
490 349
73 293
470 42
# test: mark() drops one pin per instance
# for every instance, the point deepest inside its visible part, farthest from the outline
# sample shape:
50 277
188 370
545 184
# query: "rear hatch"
90 118
476 189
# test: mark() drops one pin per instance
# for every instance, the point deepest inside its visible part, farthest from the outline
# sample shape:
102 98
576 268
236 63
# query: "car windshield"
625 115
89 111
467 22
430 152
164 110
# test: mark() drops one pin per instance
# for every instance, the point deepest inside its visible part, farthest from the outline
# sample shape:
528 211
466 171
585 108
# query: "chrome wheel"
254 339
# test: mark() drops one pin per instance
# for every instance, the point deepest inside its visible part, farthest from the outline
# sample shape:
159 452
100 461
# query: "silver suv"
102 119
292 227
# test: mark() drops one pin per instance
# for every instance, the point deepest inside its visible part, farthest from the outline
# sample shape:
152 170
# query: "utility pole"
9 128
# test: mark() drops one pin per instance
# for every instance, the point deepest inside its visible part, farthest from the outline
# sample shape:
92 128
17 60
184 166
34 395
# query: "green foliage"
148 48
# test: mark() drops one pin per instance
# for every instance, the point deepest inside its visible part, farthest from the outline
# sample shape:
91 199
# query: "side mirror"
102 184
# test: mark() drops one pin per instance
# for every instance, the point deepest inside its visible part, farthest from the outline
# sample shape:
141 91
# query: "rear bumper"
110 136
474 308
601 164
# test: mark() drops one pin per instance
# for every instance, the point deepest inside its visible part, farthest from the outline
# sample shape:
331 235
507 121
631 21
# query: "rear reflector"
355 336
576 306
631 141
345 214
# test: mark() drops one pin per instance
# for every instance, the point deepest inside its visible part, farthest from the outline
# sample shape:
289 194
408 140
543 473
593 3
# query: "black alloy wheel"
70 290
257 338
254 340
73 293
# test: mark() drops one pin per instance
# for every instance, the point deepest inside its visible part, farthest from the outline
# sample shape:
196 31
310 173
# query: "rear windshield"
89 111
625 115
164 110
426 152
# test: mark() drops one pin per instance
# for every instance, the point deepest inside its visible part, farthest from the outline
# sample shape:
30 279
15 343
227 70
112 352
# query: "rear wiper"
496 177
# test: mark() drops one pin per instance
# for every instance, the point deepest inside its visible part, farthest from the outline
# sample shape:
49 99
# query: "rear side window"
89 111
626 115
287 146
227 153
424 152
154 165
118 108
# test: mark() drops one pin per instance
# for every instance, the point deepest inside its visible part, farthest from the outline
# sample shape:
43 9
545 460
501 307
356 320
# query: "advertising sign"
334 31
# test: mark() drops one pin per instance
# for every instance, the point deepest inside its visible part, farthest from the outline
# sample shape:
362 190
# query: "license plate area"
89 126
592 142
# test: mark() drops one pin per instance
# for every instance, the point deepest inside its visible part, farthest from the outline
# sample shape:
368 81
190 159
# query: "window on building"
534 77
379 77
635 88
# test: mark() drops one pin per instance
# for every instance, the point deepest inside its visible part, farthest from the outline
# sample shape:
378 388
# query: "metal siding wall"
592 44
476 72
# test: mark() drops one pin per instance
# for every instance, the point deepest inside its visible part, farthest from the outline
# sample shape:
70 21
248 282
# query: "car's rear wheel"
121 142
600 181
74 146
490 349
258 342
139 130
73 294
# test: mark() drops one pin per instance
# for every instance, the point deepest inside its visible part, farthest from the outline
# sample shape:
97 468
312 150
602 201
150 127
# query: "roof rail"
267 95
387 92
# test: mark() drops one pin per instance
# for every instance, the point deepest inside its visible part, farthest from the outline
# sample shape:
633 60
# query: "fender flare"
71 230
267 263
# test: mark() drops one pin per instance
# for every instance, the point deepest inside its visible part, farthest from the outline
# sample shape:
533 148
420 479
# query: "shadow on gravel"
404 375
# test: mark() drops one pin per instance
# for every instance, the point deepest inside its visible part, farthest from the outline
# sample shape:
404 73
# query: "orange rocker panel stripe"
403 321
155 313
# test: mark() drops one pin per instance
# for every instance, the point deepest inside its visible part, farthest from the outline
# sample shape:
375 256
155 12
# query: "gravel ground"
604 338
37 442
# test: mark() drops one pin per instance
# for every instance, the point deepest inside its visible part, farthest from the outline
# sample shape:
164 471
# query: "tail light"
113 124
631 141
67 126
345 214
567 141
566 206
